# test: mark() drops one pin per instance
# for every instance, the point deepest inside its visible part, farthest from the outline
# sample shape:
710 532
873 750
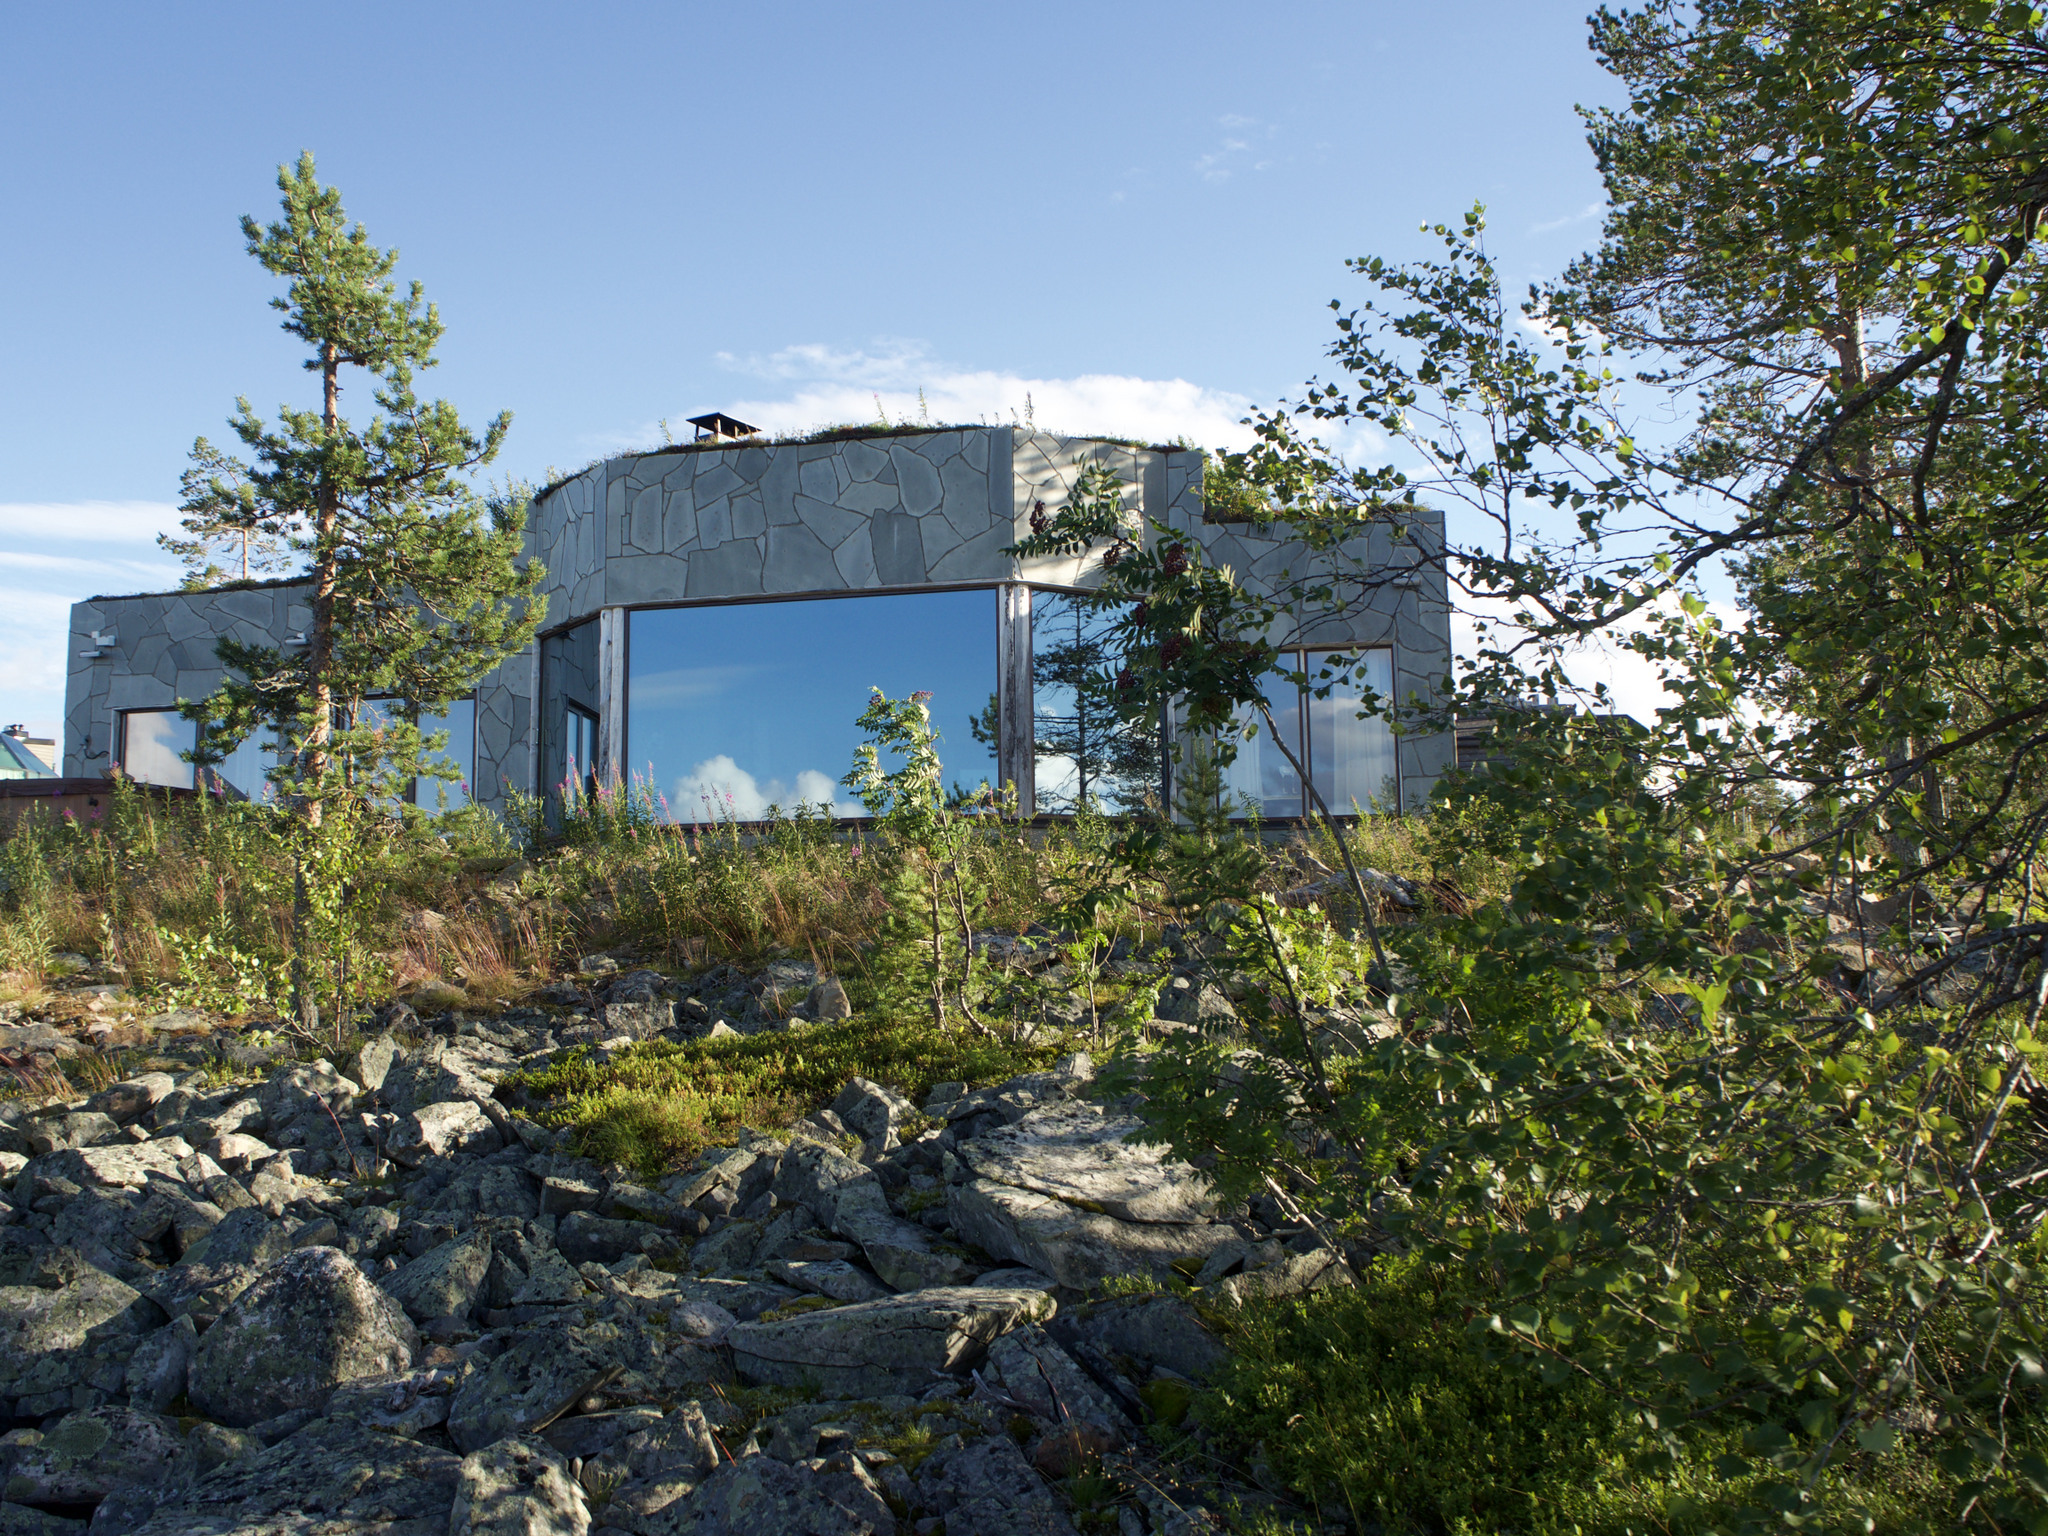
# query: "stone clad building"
717 612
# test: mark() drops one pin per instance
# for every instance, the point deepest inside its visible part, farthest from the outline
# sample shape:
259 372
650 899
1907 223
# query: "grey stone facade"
752 520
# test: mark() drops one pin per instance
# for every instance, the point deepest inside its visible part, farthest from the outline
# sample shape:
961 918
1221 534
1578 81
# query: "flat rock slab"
1077 1152
892 1345
1077 1247
332 1478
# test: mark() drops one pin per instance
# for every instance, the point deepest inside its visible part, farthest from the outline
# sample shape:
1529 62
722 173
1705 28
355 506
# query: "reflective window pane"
570 699
1086 750
242 770
733 708
460 724
151 740
1261 773
1352 760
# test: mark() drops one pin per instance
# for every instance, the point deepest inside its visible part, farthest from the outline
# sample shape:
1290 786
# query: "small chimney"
716 425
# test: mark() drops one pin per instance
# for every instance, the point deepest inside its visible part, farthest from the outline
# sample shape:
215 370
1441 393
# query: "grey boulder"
759 1496
1075 1246
444 1281
872 1348
526 1388
455 1128
518 1487
987 1488
311 1322
1077 1152
332 1478
69 1346
92 1452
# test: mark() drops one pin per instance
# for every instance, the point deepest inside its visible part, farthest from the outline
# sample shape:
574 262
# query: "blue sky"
1132 214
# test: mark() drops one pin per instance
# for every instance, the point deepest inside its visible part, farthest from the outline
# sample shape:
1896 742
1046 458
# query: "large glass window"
459 751
1087 751
1351 760
736 707
152 741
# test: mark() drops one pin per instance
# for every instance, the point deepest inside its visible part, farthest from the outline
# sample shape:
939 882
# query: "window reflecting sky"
737 707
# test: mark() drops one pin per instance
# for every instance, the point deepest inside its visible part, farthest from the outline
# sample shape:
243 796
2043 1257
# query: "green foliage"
414 585
654 1106
1371 1401
935 854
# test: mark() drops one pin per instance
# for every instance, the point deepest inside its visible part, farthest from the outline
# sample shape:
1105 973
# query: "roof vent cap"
716 425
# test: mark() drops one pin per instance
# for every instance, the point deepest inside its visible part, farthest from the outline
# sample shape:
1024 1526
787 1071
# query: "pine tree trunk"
314 753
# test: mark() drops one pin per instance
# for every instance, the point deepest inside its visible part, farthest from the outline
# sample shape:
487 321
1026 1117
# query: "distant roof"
18 762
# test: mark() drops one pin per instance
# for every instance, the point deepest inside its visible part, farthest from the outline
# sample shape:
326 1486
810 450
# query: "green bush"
1375 1402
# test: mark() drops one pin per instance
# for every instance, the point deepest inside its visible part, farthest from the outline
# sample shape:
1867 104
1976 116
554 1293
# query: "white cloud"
720 789
53 554
833 386
88 522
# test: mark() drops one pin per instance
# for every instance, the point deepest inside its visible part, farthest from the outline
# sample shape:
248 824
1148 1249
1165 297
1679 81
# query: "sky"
1119 218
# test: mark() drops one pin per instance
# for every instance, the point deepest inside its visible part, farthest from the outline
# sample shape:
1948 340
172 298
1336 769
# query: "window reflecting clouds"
736 707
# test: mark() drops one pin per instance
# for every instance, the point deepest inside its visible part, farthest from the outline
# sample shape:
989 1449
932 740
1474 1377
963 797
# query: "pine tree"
416 587
223 516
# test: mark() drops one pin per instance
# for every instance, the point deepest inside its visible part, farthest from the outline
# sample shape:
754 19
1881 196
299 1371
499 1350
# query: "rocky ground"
248 1294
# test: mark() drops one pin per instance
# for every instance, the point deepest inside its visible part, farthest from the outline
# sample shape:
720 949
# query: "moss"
654 1106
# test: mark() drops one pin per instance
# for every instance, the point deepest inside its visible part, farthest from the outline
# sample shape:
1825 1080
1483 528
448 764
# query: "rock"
987 1488
1017 1279
157 1369
759 1496
1076 1152
408 1405
1316 1270
1036 1372
69 1346
217 1268
545 1374
871 1112
439 1071
179 1021
814 1175
1156 1330
518 1487
1204 1007
20 1520
445 1281
585 1238
80 1128
437 996
310 1322
641 1019
877 1347
564 1193
679 1443
309 1088
1074 1246
829 1277
827 1000
128 1101
457 1127
238 1153
92 1452
332 1478
901 1252
373 1061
